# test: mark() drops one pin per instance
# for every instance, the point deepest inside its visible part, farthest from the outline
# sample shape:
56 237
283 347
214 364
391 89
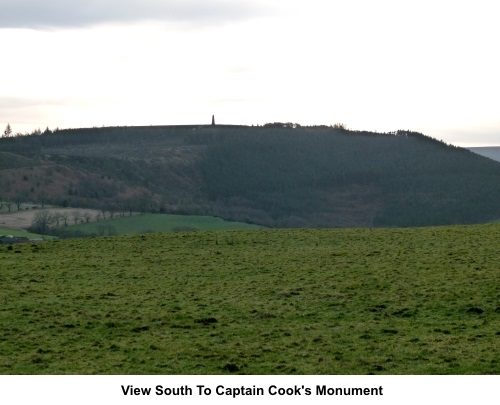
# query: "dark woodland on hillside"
277 175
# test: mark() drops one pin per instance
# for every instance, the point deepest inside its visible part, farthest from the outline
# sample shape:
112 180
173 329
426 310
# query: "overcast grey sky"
428 66
50 14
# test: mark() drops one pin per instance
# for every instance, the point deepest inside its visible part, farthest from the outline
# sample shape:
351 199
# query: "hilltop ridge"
278 175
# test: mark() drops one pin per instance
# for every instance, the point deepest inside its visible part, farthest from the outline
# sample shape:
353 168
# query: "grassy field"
149 223
350 301
30 235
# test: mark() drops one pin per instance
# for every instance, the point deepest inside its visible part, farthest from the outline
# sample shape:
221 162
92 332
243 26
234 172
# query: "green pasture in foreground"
347 301
149 223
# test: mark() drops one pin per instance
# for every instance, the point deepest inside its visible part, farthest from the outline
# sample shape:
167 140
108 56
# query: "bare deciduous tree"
76 215
56 218
64 217
43 198
41 222
8 204
18 201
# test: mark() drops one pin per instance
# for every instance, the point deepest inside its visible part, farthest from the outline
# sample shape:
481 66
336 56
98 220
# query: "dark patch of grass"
231 367
475 310
206 321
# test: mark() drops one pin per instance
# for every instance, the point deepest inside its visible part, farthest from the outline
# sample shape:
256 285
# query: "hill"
492 152
279 175
13 161
45 181
348 301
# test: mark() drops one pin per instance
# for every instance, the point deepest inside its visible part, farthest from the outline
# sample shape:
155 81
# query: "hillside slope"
57 182
277 175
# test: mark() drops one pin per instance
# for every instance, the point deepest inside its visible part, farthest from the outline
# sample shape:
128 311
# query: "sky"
429 65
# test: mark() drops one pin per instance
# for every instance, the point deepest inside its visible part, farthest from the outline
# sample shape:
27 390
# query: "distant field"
149 223
14 232
349 301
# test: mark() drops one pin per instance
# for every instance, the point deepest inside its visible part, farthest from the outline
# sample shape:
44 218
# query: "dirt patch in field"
23 219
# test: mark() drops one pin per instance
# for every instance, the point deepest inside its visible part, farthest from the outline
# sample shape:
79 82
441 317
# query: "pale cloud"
27 113
7 103
15 103
49 14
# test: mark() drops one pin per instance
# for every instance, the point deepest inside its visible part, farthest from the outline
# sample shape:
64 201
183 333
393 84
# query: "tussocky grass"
302 301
